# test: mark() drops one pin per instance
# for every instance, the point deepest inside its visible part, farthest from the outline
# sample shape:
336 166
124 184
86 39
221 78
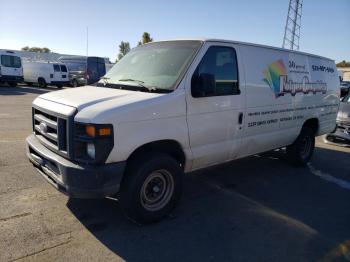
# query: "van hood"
86 96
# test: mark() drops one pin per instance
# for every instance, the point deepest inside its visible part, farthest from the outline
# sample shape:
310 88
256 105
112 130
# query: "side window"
93 70
56 68
63 68
101 69
217 73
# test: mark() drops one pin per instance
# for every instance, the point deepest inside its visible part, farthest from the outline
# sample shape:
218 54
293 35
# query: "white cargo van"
171 107
10 68
45 73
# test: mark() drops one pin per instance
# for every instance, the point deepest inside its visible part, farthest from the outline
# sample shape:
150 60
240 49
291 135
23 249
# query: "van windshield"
154 66
11 61
72 66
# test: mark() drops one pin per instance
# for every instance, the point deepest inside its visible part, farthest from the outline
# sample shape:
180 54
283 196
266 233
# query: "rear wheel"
151 188
300 152
12 84
42 83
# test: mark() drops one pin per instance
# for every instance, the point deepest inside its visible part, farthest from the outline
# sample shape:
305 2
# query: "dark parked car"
344 88
84 70
341 134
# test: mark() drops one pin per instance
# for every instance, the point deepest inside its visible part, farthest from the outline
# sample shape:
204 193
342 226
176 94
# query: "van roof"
42 62
246 43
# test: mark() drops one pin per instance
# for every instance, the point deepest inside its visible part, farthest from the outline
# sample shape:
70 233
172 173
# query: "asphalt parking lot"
255 209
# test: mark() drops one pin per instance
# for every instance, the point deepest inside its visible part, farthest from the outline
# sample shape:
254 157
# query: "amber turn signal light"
104 131
90 131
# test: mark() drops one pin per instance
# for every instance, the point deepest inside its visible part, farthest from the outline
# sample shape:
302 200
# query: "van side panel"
33 70
283 90
323 105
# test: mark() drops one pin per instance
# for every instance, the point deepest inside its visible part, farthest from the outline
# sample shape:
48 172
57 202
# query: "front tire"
300 152
151 188
42 83
75 83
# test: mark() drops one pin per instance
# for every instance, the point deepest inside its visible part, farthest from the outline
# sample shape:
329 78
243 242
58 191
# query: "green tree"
146 38
36 49
124 48
343 64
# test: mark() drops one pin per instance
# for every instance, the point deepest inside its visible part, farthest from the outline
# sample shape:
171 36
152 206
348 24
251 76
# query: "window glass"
221 63
11 61
158 65
76 66
63 68
56 68
101 69
92 70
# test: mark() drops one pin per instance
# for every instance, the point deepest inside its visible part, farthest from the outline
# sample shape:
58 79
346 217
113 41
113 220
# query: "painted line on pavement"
340 182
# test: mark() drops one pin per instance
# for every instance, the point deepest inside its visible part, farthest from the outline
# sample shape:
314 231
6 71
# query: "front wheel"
300 152
151 188
42 83
74 83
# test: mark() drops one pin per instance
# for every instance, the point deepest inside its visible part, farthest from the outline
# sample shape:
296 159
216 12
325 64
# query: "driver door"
215 113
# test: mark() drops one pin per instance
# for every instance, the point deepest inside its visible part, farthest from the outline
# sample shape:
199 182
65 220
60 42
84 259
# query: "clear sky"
61 25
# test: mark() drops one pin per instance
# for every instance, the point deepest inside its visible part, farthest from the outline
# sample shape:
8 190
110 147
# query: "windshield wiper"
140 84
139 87
146 88
131 80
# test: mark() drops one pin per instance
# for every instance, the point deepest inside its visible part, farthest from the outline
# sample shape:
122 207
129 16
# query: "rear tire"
300 152
42 83
12 84
151 188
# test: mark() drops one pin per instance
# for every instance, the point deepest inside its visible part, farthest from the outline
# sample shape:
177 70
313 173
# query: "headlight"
92 142
90 150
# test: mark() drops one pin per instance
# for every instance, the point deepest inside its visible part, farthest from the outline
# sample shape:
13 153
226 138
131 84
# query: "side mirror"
203 85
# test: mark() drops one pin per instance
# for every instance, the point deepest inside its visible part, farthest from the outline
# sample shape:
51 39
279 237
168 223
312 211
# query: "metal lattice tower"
293 23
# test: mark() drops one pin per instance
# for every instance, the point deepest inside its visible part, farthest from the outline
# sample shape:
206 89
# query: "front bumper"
72 179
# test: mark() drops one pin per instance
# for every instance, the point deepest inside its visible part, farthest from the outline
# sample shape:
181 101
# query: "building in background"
344 73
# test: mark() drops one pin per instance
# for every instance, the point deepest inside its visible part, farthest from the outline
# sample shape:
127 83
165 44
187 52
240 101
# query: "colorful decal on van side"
276 77
272 75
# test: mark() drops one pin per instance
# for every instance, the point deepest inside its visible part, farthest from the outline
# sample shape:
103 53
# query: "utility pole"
293 23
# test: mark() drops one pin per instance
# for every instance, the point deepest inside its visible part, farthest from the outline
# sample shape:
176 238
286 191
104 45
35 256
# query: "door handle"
240 118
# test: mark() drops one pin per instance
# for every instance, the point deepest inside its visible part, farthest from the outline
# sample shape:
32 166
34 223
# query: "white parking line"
340 182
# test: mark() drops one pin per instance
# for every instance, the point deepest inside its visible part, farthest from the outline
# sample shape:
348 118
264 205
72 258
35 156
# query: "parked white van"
11 70
45 73
171 107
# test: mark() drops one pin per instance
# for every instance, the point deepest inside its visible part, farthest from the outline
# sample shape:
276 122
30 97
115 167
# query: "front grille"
51 130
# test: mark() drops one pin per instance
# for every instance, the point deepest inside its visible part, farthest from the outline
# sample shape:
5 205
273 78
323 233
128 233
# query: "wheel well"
170 147
312 123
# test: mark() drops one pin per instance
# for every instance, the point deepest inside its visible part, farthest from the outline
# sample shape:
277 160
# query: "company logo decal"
43 127
275 75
